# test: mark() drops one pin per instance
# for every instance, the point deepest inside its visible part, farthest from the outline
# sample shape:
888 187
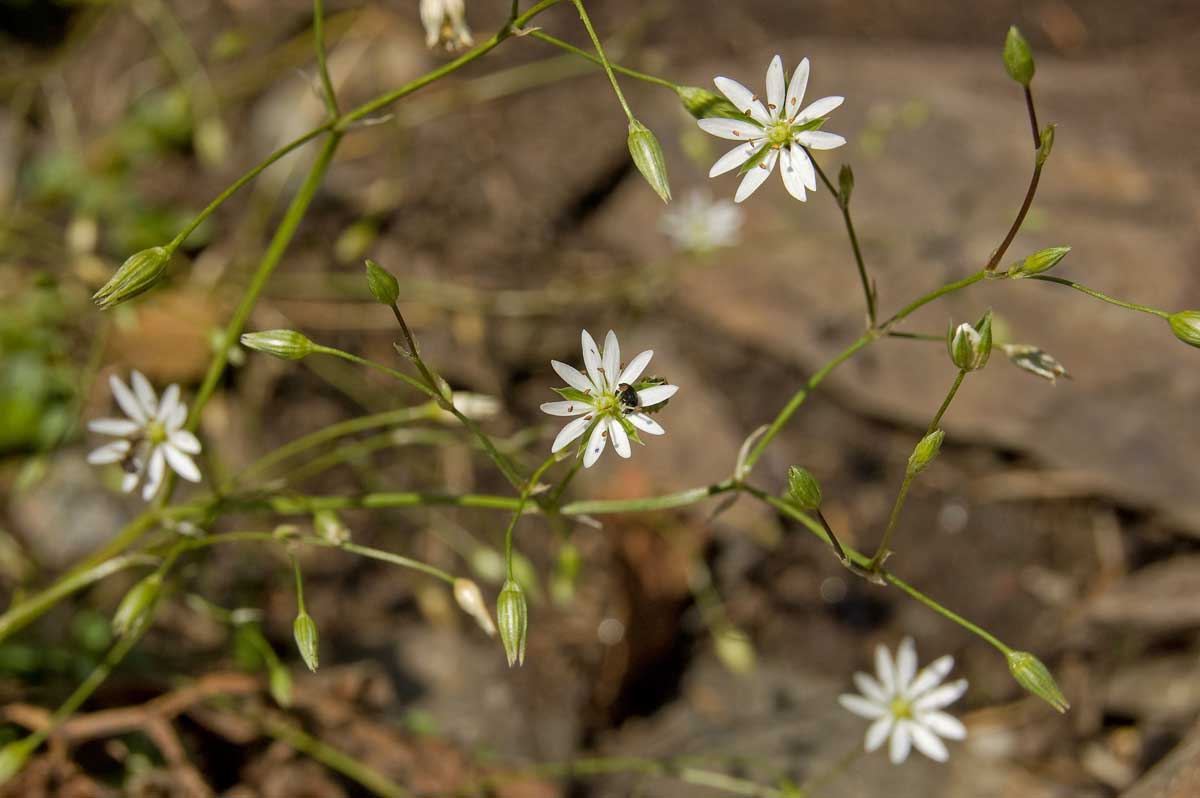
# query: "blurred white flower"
702 224
445 24
610 401
906 705
778 131
151 438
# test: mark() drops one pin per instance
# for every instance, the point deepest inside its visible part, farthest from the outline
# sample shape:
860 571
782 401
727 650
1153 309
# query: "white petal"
732 129
566 408
883 669
595 444
130 481
120 427
793 179
168 403
177 418
906 665
126 400
931 676
656 394
878 732
591 361
901 742
820 140
635 368
570 432
154 473
927 742
803 164
869 687
571 376
944 696
180 463
620 439
184 441
861 706
944 725
743 99
756 176
109 453
775 87
646 424
796 88
732 159
145 394
612 359
820 108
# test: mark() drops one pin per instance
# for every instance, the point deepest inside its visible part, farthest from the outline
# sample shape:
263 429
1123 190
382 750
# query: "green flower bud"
383 284
1018 59
969 346
307 639
1035 361
279 683
470 599
137 275
1186 326
512 617
329 526
704 104
1041 261
134 609
1035 677
803 489
285 344
734 649
1047 145
926 451
13 757
648 157
845 185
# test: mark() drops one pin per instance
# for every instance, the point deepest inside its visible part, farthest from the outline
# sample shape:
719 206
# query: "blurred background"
1063 518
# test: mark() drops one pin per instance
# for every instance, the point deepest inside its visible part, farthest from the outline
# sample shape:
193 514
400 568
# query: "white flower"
150 439
610 400
778 131
702 224
906 705
445 24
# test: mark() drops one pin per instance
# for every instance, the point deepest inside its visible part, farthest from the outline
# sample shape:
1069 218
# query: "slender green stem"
998 255
920 302
1033 123
633 73
331 757
394 559
844 207
668 502
937 418
329 96
391 372
917 336
556 494
512 524
299 584
938 608
608 70
701 777
1103 297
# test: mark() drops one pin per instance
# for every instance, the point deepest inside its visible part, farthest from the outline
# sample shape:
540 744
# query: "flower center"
900 708
156 433
779 133
607 403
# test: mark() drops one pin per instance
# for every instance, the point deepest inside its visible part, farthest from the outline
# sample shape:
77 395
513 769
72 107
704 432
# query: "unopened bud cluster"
512 619
970 346
926 451
803 489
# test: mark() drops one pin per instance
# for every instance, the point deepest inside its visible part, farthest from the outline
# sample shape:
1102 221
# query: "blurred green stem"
608 70
1103 297
328 94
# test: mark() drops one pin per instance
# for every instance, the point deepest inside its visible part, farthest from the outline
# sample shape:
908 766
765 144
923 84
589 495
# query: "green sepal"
574 395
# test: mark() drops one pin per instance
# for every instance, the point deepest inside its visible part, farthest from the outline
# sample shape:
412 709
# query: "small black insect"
628 397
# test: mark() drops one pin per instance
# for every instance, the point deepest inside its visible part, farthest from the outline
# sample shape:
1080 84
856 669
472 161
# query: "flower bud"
803 489
134 608
138 274
470 599
1186 326
1035 677
307 639
512 617
1041 261
285 344
969 346
704 104
1035 361
1047 144
383 284
845 185
926 451
648 157
1018 59
735 650
13 757
329 526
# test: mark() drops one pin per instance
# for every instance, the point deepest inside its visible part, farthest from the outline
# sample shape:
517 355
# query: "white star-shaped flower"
151 438
610 400
776 132
906 705
702 224
445 24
